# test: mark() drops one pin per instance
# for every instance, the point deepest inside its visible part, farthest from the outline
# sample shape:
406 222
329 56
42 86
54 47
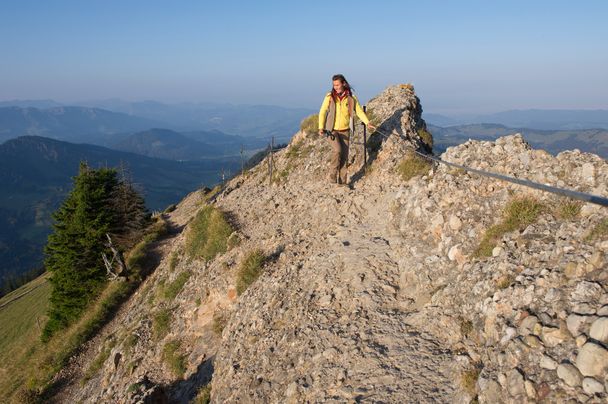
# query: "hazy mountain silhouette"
75 124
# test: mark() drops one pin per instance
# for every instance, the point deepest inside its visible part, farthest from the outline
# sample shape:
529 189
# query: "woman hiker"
336 115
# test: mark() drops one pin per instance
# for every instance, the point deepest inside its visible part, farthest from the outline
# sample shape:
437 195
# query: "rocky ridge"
373 293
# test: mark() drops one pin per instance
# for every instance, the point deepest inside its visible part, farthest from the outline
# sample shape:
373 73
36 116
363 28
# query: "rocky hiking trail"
349 280
374 293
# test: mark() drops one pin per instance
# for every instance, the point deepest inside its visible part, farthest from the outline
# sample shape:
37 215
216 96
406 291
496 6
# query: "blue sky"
462 56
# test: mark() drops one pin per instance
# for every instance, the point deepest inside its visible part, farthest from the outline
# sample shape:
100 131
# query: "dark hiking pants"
339 156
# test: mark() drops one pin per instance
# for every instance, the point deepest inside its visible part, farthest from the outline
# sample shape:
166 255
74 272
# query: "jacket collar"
345 94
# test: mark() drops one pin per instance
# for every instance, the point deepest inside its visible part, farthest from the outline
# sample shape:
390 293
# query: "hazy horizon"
470 57
447 114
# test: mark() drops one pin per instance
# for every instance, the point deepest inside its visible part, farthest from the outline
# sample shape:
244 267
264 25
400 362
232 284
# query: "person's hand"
371 127
321 132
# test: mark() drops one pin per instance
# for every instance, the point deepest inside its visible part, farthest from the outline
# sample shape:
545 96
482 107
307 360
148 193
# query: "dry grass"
212 193
505 281
426 138
297 150
173 359
203 396
310 124
250 270
469 379
161 323
208 234
171 290
137 258
130 341
281 176
219 321
599 231
173 261
517 214
98 362
567 209
466 326
412 166
457 172
170 208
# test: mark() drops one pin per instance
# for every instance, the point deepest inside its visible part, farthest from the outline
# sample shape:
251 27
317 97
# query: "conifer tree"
130 207
100 203
73 251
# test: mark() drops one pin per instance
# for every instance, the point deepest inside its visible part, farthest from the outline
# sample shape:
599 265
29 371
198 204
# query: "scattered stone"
592 359
572 270
569 374
574 323
553 295
586 291
599 330
515 383
455 223
547 362
510 332
597 259
496 251
530 390
580 340
584 309
553 336
527 325
592 386
454 253
533 341
490 392
603 311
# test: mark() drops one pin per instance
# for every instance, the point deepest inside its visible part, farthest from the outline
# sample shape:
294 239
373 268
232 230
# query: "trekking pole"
348 152
364 140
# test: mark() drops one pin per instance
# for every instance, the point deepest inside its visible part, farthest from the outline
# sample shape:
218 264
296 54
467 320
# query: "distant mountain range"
234 119
542 119
553 141
46 118
35 176
168 144
42 104
74 124
121 132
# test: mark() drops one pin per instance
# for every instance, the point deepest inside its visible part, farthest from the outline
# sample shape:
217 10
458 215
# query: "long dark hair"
349 90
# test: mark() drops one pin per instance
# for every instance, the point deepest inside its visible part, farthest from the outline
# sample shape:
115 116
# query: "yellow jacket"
342 116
